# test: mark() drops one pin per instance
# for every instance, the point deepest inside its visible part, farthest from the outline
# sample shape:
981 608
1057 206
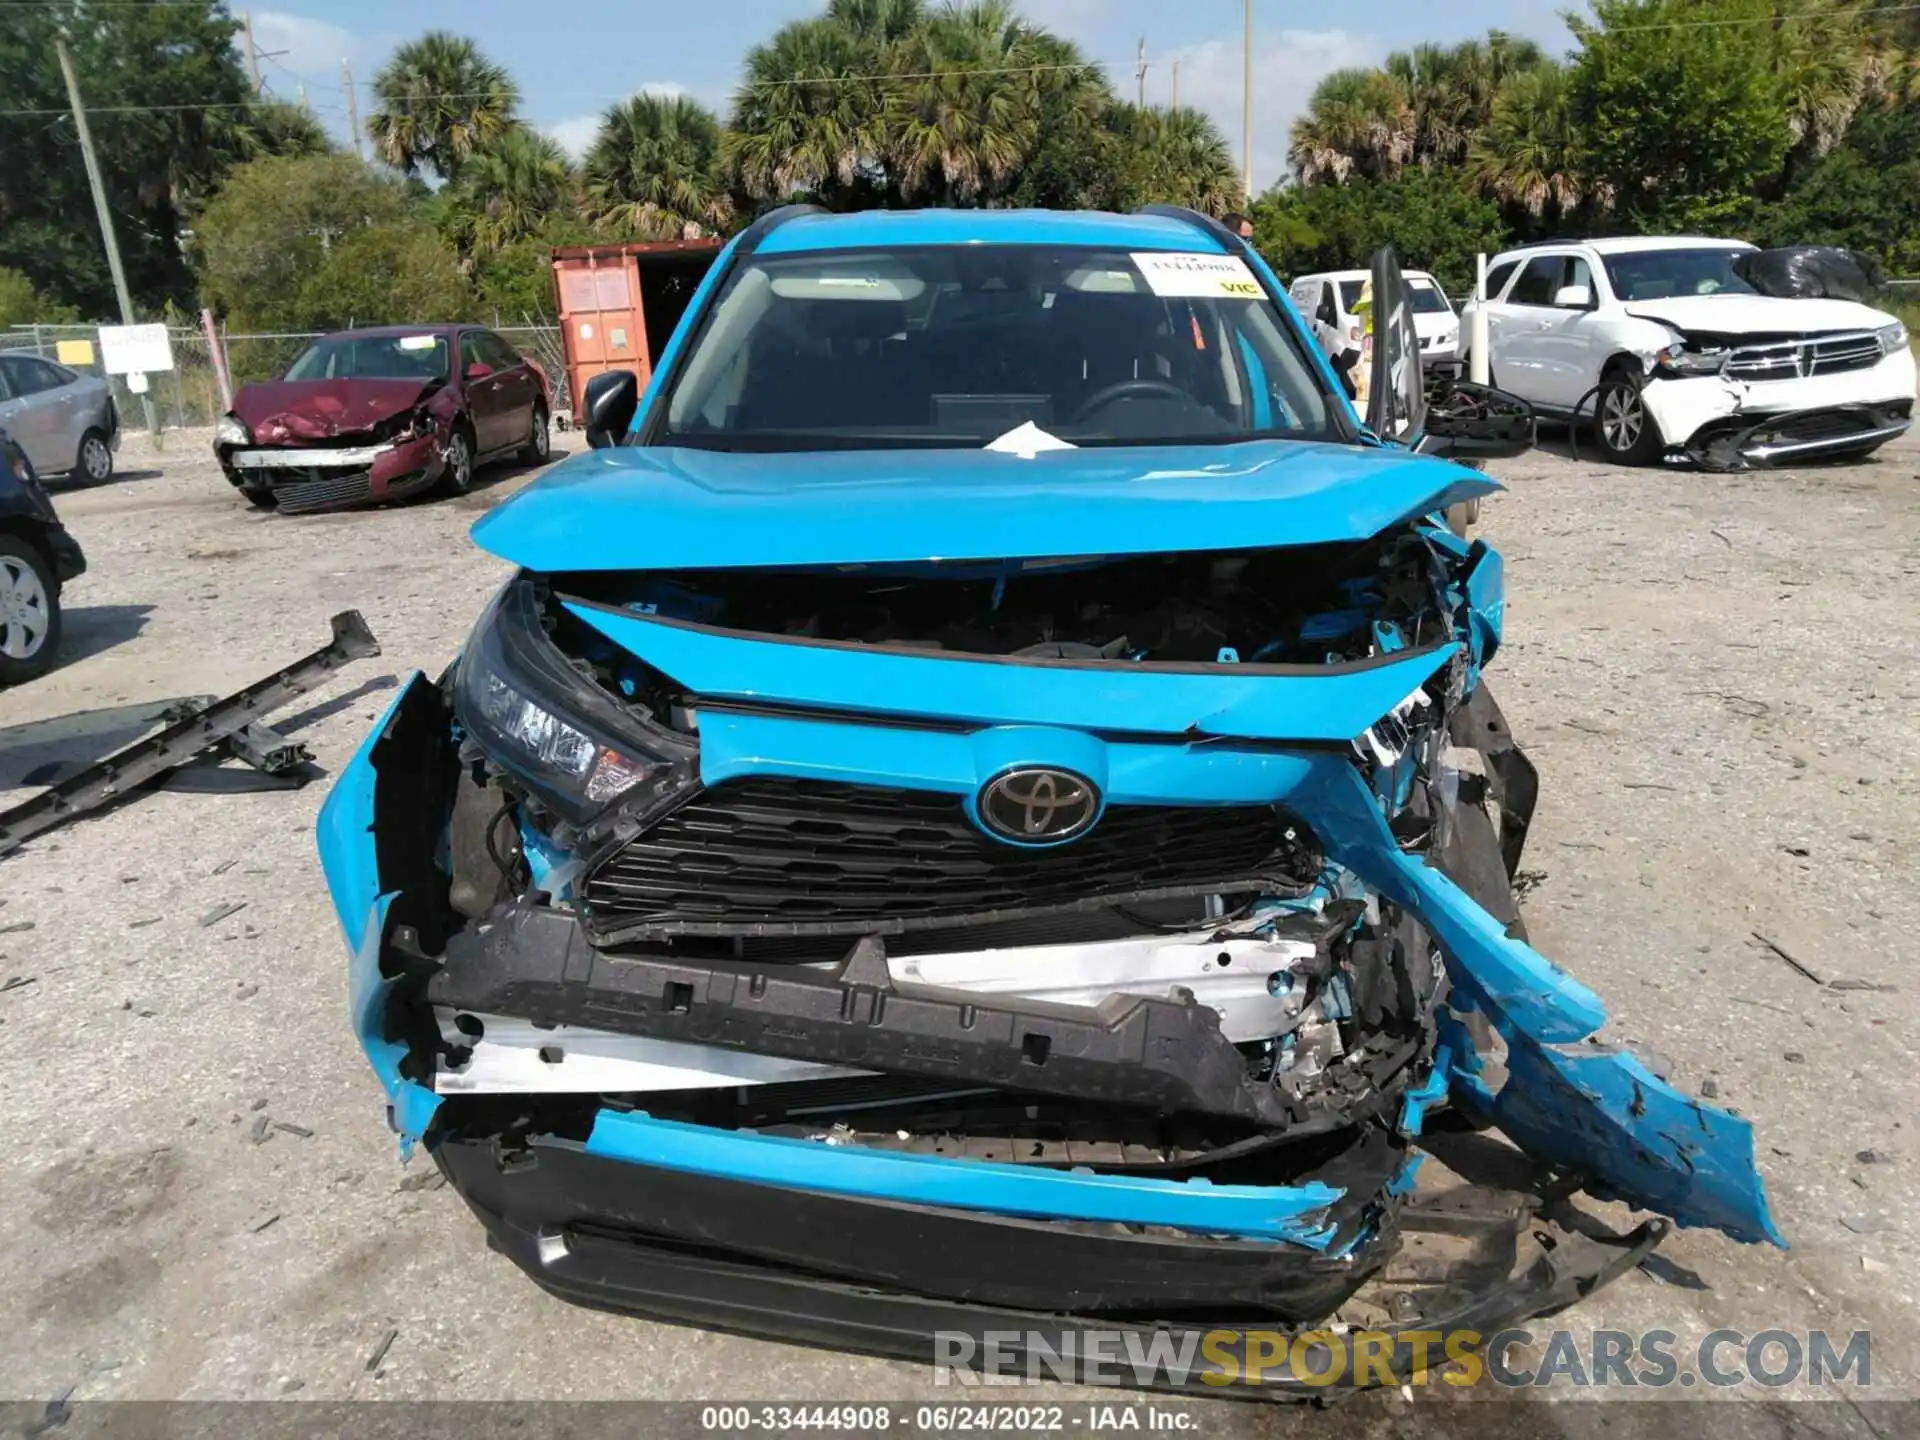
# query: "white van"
1326 301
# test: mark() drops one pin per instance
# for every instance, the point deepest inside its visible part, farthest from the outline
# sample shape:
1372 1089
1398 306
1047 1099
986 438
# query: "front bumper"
303 479
717 1219
1730 423
68 559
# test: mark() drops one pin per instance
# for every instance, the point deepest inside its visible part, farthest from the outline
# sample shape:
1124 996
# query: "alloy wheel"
1622 418
25 610
96 459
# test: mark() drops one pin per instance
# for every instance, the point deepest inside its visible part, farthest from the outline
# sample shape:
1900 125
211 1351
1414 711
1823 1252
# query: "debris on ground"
380 1351
221 912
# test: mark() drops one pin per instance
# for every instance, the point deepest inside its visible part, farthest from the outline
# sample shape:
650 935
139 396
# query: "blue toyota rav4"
979 809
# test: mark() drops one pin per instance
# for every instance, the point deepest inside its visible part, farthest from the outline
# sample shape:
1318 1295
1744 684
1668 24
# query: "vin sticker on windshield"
1180 276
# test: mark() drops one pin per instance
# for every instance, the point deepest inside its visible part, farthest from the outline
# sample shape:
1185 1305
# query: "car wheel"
539 443
29 612
95 458
458 479
259 497
1626 432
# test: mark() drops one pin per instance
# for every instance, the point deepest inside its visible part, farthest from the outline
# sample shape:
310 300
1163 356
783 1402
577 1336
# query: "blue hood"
645 508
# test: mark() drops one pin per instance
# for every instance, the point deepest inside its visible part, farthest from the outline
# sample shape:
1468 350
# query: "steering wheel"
1125 389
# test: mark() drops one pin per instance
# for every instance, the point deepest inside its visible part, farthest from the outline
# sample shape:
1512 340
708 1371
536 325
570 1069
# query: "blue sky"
573 58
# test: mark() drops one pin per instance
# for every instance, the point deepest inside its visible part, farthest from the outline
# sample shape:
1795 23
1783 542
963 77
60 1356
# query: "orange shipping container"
618 304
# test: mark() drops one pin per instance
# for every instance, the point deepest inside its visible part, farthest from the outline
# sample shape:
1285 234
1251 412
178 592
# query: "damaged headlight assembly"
532 712
231 430
1681 359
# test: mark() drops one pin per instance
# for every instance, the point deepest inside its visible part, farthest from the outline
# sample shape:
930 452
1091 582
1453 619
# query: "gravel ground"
1716 676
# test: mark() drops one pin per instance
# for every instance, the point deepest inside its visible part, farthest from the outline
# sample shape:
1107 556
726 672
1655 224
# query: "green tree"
162 84
1358 122
1528 153
1431 220
275 221
507 188
1679 126
812 117
1179 157
21 304
653 171
438 99
394 274
275 127
969 103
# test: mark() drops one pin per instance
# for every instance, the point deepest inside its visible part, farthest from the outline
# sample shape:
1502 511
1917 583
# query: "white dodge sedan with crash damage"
1666 350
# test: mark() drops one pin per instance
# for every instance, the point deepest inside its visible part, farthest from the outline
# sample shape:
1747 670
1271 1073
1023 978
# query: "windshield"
1426 296
958 345
1659 274
373 357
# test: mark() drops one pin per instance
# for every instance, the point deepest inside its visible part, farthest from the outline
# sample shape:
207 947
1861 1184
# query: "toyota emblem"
1039 807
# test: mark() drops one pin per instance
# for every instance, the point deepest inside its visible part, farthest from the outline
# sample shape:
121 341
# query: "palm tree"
1358 122
1451 90
438 100
654 168
273 127
508 187
1182 159
811 117
1827 63
970 111
1527 154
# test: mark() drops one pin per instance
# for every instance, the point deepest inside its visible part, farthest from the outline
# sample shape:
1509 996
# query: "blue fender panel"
1334 703
1293 1213
350 861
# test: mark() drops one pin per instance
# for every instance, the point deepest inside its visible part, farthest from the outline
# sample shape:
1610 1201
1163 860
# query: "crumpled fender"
1592 1109
362 900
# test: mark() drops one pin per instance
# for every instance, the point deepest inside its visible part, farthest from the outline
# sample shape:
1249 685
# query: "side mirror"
479 370
1476 422
1326 314
612 398
1573 297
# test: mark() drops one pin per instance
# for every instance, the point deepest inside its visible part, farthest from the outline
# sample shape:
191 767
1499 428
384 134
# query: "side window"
7 392
1498 276
496 352
30 377
1578 273
1538 281
470 350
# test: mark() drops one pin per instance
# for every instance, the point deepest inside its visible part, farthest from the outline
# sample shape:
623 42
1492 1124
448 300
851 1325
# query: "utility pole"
353 108
300 89
1246 101
1140 71
1175 105
92 162
250 55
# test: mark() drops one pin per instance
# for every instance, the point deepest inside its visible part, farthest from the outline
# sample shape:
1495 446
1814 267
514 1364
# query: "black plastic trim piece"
145 760
1166 1056
694 1284
552 1184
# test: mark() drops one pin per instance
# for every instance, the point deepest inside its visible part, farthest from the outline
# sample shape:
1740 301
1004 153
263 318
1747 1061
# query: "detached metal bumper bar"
125 772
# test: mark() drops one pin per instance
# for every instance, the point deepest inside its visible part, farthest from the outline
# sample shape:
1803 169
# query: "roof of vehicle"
1358 275
877 228
1632 244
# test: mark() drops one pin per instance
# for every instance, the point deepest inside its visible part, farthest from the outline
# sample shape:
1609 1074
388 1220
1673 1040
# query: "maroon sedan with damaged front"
370 415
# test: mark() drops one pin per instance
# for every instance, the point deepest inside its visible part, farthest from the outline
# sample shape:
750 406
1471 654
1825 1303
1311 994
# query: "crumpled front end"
854 953
329 445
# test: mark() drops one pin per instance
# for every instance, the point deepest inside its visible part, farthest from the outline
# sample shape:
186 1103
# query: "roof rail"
1235 245
751 237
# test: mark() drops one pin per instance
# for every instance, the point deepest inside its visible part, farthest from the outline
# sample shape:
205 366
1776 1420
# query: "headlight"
534 714
230 431
1678 359
1892 338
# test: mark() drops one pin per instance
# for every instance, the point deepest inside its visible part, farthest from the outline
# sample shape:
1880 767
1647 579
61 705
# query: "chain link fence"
189 395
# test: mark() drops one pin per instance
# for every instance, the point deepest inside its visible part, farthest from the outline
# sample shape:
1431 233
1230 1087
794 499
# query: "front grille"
1790 359
788 857
316 487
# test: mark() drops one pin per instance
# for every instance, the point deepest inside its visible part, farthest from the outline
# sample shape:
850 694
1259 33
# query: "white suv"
1666 349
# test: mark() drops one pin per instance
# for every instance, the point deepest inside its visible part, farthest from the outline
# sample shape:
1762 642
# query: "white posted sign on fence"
135 349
